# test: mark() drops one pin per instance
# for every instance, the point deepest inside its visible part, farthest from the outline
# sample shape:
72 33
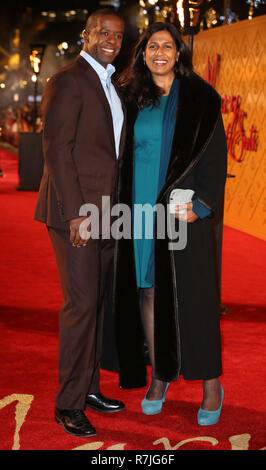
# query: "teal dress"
147 153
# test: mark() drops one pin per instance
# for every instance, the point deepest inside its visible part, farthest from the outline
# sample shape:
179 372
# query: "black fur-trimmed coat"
186 311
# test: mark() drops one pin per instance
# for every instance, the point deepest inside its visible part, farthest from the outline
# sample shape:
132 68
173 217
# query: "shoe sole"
152 413
61 423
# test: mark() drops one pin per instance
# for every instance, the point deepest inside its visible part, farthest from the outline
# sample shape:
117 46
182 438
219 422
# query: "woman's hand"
188 215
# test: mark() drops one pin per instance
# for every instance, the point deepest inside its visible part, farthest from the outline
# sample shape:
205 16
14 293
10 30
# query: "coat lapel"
95 83
195 121
123 131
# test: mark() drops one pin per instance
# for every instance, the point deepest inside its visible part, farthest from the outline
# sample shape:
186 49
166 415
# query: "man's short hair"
93 18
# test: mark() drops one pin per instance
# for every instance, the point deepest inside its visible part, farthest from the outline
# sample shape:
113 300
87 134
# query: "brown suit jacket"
78 145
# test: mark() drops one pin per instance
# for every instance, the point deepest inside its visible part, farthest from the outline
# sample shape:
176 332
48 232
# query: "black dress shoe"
74 422
99 402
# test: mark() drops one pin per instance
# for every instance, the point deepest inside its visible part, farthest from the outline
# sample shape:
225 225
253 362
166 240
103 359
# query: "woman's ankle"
211 394
156 389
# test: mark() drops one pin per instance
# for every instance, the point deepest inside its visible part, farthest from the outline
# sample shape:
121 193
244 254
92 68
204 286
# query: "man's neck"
94 58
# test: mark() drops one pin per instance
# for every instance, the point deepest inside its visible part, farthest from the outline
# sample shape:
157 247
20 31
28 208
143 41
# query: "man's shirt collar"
103 73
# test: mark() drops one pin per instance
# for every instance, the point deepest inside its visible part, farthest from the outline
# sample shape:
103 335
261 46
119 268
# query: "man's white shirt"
104 75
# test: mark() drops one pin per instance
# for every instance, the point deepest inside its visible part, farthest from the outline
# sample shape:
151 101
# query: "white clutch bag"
178 197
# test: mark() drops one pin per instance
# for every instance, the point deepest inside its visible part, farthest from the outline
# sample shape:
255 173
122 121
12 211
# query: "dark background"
26 15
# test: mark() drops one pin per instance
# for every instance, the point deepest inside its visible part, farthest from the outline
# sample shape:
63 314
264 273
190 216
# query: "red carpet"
30 300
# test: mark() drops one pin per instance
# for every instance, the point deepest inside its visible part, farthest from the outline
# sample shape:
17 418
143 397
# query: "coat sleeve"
200 209
210 174
61 107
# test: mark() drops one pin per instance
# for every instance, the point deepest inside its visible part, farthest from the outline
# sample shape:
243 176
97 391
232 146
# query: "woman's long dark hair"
136 80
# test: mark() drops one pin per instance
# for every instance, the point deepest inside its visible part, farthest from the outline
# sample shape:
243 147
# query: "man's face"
103 41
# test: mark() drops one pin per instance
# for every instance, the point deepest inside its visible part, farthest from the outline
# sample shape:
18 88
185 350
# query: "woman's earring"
144 61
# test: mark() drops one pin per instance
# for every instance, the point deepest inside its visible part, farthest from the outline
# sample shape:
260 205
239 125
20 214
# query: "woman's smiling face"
161 54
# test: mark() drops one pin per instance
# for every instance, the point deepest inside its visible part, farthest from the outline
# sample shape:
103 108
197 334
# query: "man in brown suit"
83 135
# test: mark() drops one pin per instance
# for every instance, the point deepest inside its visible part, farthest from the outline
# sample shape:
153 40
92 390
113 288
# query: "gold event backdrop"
233 59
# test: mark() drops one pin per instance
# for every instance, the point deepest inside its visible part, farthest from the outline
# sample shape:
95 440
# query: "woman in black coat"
177 310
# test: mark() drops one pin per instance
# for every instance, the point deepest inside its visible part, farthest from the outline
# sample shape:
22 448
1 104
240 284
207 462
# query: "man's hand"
75 237
188 215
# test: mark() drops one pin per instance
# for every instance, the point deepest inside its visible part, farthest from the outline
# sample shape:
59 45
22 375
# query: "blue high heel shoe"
208 418
153 407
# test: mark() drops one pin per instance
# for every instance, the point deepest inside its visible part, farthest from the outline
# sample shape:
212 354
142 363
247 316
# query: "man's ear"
85 35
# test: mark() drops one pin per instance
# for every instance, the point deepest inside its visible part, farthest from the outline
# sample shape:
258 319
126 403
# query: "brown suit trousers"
84 276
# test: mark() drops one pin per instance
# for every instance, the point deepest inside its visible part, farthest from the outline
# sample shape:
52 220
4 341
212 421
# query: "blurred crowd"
17 119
